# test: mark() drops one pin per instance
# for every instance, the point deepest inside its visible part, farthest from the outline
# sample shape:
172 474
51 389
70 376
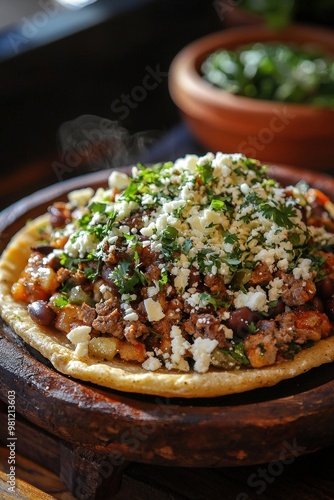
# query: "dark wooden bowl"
269 424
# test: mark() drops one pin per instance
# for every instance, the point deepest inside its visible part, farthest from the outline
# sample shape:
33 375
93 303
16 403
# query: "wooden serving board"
99 426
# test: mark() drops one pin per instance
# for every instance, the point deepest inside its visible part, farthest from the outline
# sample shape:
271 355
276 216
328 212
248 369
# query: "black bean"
325 288
240 319
41 312
54 262
107 277
318 304
44 249
57 217
279 308
329 309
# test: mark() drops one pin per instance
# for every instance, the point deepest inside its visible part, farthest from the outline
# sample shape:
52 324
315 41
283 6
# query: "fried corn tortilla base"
126 376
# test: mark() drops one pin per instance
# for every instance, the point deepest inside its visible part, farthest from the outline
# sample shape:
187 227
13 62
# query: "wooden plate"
270 424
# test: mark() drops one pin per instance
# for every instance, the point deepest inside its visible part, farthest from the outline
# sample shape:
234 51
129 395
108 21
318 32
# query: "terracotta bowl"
297 134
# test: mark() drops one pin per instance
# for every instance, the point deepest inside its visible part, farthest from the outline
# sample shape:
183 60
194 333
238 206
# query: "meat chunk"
261 275
275 335
63 274
88 314
135 329
205 326
38 281
297 292
260 349
109 319
216 284
286 328
328 265
153 272
174 309
311 325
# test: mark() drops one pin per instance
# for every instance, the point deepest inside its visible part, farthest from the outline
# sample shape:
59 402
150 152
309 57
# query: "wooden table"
308 477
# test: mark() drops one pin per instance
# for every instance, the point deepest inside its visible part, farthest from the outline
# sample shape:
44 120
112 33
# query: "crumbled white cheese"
79 334
227 332
179 348
152 291
131 316
81 349
80 337
148 231
303 269
118 180
244 188
255 299
100 196
153 310
181 280
275 289
80 197
188 162
201 351
80 244
151 363
193 300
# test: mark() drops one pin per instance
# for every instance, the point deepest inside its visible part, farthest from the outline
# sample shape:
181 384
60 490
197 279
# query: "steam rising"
90 143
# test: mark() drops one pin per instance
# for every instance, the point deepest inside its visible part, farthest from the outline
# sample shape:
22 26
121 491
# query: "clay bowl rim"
185 78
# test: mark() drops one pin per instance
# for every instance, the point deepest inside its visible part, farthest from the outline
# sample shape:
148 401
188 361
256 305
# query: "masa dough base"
125 376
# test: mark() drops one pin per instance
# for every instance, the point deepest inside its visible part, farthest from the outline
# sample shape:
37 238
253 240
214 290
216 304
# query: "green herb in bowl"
273 71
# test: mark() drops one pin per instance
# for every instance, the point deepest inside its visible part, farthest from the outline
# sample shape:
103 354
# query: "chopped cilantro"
169 245
205 172
207 298
202 258
280 215
131 191
69 262
84 221
187 246
293 349
61 300
217 204
97 207
164 278
237 352
229 237
232 262
126 277
252 328
90 273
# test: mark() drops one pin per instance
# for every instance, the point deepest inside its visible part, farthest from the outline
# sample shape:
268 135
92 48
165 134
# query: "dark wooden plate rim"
254 427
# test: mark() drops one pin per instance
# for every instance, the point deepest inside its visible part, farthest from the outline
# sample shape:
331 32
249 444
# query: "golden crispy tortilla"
131 377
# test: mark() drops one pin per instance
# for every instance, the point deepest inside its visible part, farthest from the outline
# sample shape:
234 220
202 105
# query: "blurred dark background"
108 60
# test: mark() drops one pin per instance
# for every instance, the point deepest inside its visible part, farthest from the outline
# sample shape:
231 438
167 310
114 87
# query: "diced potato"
68 318
132 352
103 347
